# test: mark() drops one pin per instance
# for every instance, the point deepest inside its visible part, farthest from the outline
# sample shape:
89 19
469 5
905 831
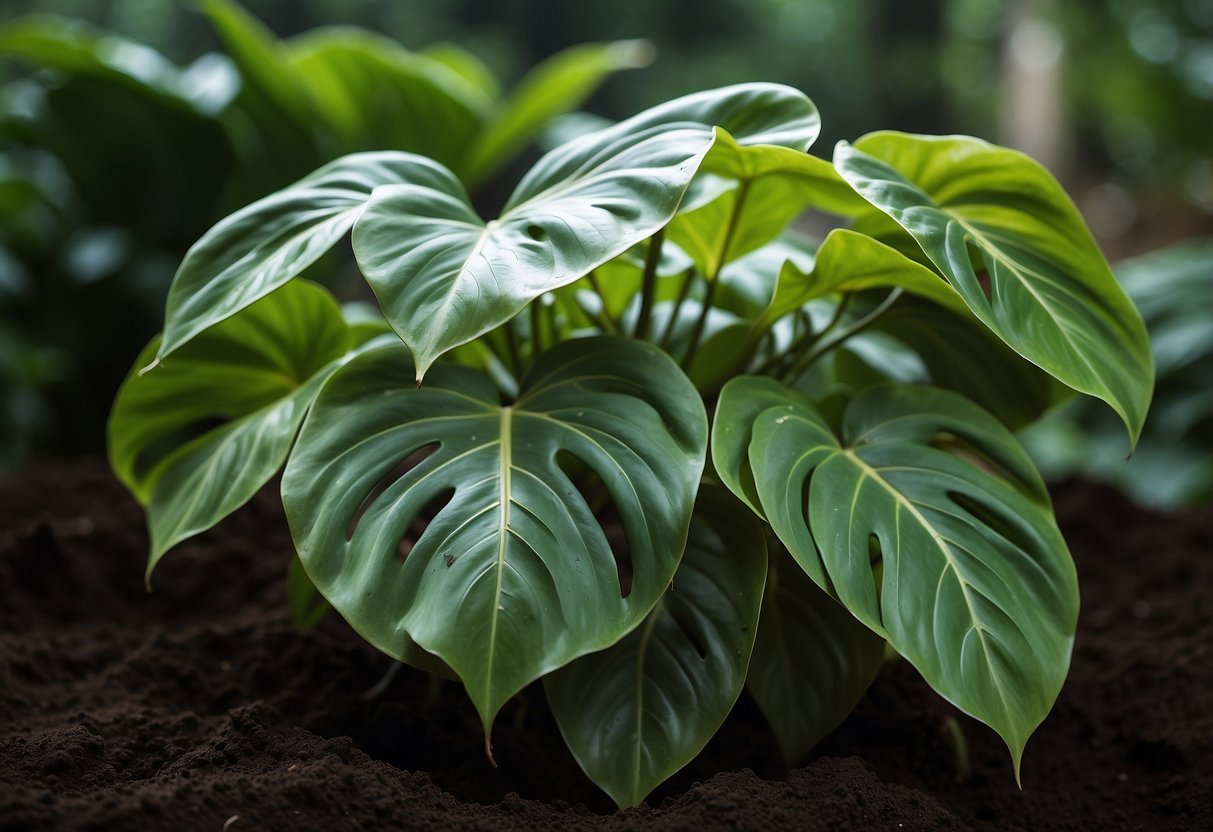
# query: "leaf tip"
155 363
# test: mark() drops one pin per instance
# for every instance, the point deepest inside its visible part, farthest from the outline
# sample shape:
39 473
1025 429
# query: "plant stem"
648 290
784 359
824 346
604 320
536 312
511 341
688 277
743 190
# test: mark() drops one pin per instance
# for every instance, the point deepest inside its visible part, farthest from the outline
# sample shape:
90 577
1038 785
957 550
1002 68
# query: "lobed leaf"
977 589
513 577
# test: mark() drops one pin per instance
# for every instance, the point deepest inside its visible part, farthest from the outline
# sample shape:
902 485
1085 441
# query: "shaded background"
102 189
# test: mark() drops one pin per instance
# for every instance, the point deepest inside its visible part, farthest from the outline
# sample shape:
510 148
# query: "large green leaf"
514 576
196 436
261 247
639 711
977 590
444 277
1046 289
812 659
557 85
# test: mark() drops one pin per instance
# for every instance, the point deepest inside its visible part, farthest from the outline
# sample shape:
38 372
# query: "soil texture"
199 706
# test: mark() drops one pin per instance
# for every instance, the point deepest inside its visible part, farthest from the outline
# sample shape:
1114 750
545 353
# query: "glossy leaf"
261 247
812 660
444 277
977 591
639 711
557 85
513 577
1046 290
198 435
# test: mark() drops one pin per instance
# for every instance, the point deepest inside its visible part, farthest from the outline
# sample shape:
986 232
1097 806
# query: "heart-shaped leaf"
1046 291
443 276
263 246
812 659
196 436
637 712
513 577
977 590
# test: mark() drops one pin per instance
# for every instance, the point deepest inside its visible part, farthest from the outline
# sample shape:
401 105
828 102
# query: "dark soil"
199 706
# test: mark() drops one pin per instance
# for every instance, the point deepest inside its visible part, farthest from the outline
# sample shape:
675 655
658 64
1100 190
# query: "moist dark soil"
199 706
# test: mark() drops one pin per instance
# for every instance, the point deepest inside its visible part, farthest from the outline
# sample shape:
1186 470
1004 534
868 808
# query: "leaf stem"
648 290
854 328
511 342
536 312
604 320
688 277
743 191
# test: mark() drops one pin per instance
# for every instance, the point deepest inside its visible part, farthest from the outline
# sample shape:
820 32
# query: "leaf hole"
1009 528
422 522
962 448
411 461
689 630
536 233
983 281
598 498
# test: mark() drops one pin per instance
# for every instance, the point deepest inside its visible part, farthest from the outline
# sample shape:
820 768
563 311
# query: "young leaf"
245 384
261 247
445 277
513 577
639 711
978 590
812 659
1047 290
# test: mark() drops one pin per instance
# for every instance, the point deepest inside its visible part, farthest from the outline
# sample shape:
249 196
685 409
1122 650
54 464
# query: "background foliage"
96 213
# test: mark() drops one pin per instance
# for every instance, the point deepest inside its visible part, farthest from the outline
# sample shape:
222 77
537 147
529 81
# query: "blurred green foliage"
118 150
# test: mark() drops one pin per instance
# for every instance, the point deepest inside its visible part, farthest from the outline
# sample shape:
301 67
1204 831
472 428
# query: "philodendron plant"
506 477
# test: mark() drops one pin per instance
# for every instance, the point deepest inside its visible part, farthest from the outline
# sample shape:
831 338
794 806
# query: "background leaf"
639 711
513 577
1046 290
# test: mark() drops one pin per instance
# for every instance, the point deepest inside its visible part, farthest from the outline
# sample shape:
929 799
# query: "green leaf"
977 591
639 711
445 277
1047 290
198 435
513 577
375 94
261 247
812 660
732 429
557 85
